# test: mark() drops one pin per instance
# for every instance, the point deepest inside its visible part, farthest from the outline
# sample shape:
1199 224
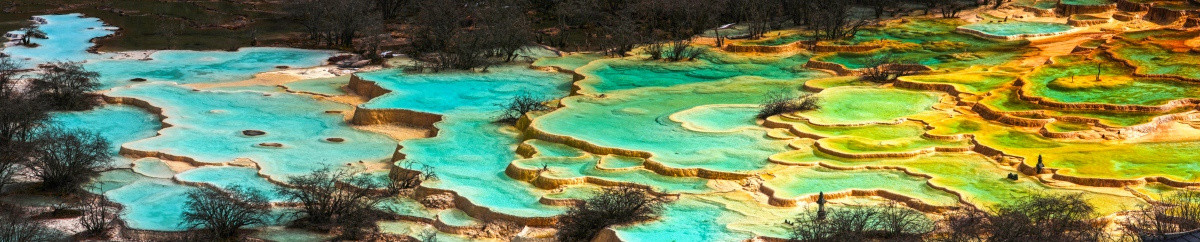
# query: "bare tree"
32 33
67 86
460 34
889 222
672 24
220 215
413 174
879 7
334 22
1176 212
21 115
390 9
900 223
951 8
96 219
759 16
609 26
1039 217
799 11
507 27
967 224
613 206
519 106
831 20
997 3
66 158
330 200
1045 217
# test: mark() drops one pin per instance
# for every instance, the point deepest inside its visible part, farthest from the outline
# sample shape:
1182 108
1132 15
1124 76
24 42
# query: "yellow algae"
866 105
1088 82
974 80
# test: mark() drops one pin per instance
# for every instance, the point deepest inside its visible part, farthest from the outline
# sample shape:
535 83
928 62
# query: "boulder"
339 58
438 201
139 79
335 140
359 64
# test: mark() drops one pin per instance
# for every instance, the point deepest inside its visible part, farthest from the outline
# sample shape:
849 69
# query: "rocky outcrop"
365 88
1009 118
785 48
825 47
1084 22
483 213
1126 17
1127 6
1162 15
813 46
911 202
1039 12
907 83
879 155
1068 9
368 116
835 68
1191 23
252 133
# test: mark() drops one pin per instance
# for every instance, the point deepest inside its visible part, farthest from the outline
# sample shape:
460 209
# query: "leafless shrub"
1039 217
885 67
64 159
21 115
332 200
1176 212
220 215
67 86
518 106
784 101
613 206
890 222
413 174
96 219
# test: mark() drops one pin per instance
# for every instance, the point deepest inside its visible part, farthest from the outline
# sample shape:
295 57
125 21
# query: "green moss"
974 80
851 105
1073 80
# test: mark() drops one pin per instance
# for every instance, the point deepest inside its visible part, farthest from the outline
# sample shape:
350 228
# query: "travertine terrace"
1106 92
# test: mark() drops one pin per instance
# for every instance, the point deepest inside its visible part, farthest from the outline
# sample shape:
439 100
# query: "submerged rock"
139 79
276 145
251 132
335 140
